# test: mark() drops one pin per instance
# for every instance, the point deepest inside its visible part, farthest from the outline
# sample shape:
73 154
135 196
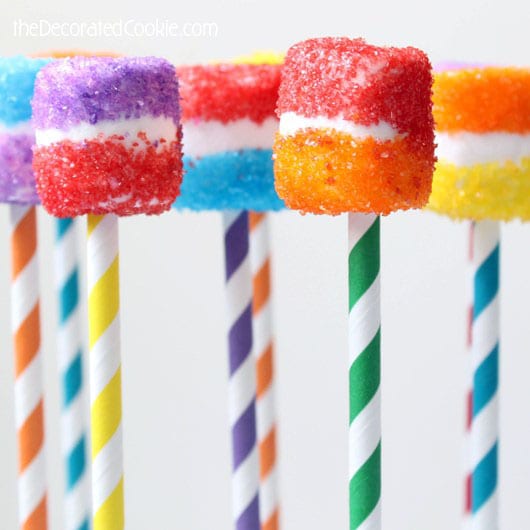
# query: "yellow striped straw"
105 372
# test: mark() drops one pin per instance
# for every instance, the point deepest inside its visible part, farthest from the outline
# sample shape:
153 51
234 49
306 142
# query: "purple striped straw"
242 385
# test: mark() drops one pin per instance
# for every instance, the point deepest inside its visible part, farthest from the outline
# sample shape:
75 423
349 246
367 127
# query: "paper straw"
263 351
105 372
364 379
469 390
70 360
485 362
242 385
29 413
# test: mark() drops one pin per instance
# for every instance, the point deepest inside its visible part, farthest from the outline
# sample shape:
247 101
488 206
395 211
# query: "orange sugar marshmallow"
482 119
481 100
356 128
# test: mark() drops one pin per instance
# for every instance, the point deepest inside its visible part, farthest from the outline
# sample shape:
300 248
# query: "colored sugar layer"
494 190
122 153
17 181
482 100
483 137
229 123
361 83
232 180
105 176
356 128
229 92
17 81
328 172
95 89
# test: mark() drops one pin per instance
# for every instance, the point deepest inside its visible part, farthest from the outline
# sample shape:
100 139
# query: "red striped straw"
263 350
29 414
469 390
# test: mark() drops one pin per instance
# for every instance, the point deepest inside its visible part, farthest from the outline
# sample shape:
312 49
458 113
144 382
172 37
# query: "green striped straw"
364 327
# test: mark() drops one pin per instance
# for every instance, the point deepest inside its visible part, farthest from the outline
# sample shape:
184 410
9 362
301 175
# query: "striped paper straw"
485 362
105 372
469 390
73 426
263 350
242 385
365 352
29 413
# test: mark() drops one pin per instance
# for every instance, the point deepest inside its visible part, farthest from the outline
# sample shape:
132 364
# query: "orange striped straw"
29 414
263 350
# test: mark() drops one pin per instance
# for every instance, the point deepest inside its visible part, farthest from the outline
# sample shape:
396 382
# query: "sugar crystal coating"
93 89
104 176
17 83
482 100
362 83
348 83
240 100
228 92
79 165
17 80
483 114
230 180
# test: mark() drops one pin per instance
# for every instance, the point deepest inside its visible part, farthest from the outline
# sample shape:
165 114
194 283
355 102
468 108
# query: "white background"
176 437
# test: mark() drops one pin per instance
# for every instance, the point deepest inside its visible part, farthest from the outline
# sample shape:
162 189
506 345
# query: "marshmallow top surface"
229 92
348 78
93 89
482 100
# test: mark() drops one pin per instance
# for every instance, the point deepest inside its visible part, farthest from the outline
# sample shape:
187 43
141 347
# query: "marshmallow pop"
74 433
17 188
263 344
264 352
482 119
356 135
228 128
108 144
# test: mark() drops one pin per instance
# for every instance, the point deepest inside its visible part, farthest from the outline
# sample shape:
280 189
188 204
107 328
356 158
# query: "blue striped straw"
485 364
70 359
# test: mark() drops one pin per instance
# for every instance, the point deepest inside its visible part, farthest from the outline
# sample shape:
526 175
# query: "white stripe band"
105 358
467 149
102 249
203 138
268 498
76 507
291 123
262 326
107 469
485 333
28 390
154 129
72 424
32 486
373 521
25 293
238 291
259 247
68 340
364 320
364 434
245 483
65 256
265 413
485 431
242 389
